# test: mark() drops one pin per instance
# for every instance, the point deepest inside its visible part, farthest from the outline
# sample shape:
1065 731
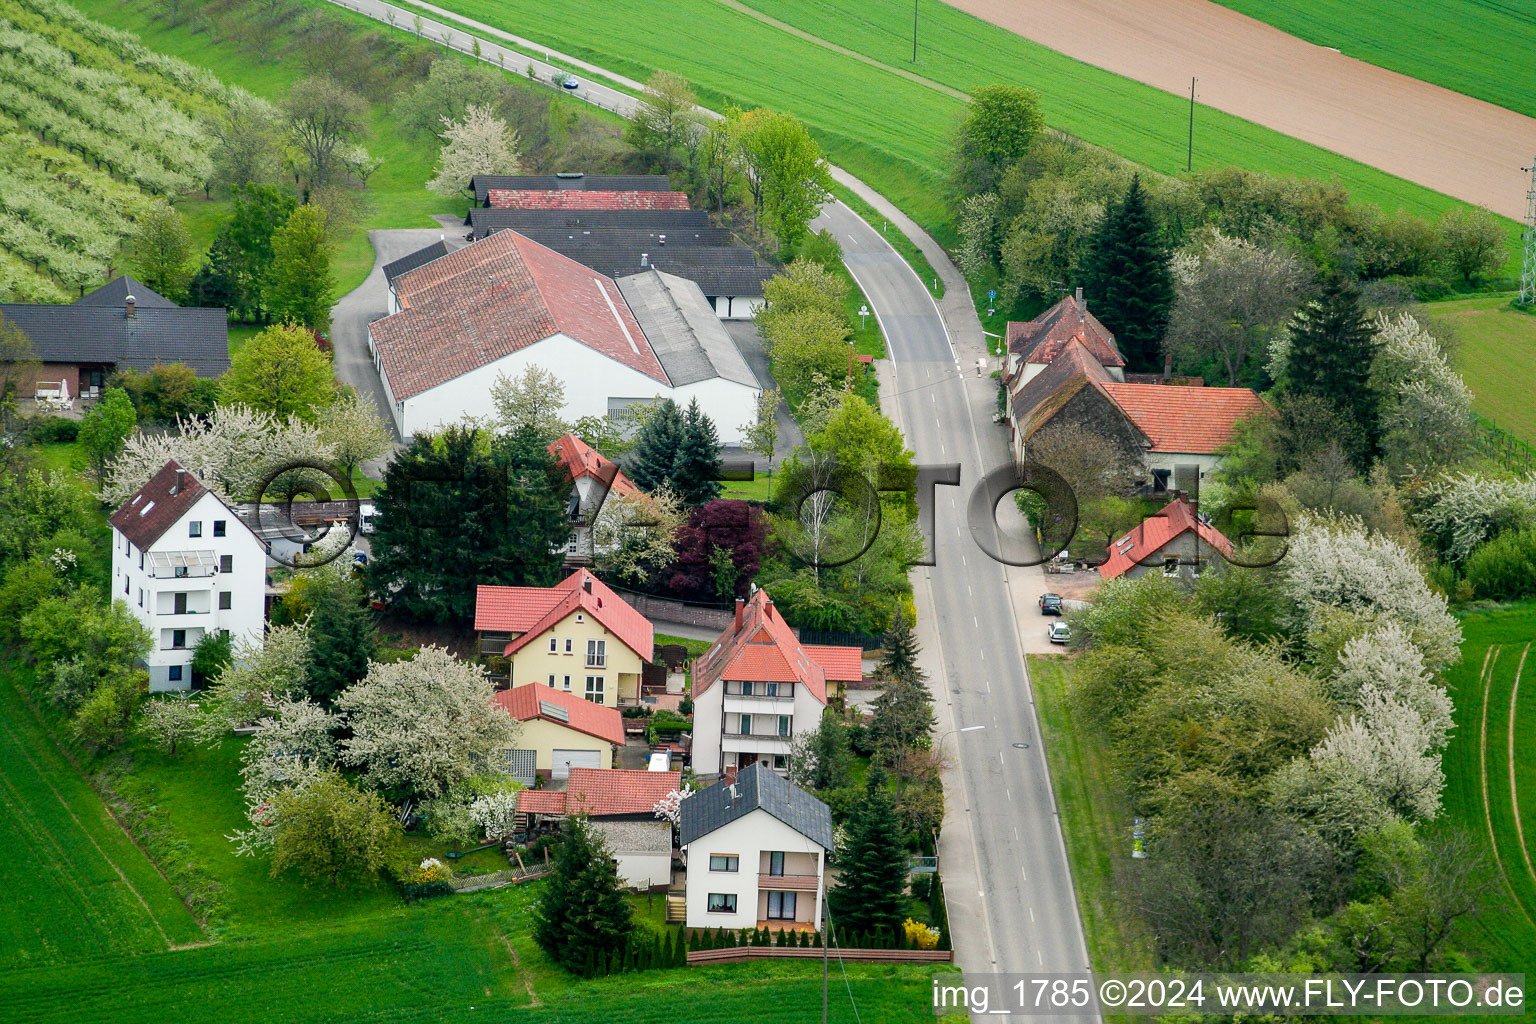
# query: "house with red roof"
620 804
758 687
594 478
1065 377
559 731
1176 542
186 565
577 637
593 199
460 321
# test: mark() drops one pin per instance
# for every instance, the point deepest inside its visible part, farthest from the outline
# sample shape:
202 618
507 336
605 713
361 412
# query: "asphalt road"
1011 901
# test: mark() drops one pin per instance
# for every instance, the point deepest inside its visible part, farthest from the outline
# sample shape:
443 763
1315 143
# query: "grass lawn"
75 944
1490 775
890 130
759 488
1095 818
1492 339
1482 49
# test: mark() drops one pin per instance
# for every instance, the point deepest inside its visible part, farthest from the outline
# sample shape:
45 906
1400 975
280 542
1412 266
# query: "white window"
746 725
724 862
781 906
195 528
226 563
595 689
784 722
580 617
141 597
746 688
554 646
551 680
570 646
226 600
722 903
597 654
567 682
771 689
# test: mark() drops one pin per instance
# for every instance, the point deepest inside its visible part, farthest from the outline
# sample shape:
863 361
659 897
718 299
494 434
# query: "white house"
757 689
505 303
187 566
757 851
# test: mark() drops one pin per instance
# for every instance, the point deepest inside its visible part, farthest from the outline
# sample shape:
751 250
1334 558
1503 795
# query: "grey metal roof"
105 334
116 291
718 270
483 183
485 219
419 258
756 788
686 335
633 239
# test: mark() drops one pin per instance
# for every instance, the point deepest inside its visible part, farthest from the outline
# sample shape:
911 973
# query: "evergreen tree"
903 716
582 913
830 753
343 638
697 462
872 869
1332 349
1129 280
655 452
299 284
446 523
901 652
218 282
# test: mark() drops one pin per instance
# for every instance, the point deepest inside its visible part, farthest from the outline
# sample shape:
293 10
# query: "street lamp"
945 735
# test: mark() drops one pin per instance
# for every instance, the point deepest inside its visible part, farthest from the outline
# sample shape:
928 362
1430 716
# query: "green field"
1491 338
76 944
889 130
1483 48
1490 772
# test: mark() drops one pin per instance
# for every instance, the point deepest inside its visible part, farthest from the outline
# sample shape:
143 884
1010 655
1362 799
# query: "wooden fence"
738 954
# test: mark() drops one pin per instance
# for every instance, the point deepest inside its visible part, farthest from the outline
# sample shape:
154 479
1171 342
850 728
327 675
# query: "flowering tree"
421 726
633 534
293 748
479 143
169 720
1466 509
1385 664
493 812
670 807
1426 408
261 676
1337 563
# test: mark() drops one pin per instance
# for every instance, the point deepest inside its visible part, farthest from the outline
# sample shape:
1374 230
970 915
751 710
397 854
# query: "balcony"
787 883
166 565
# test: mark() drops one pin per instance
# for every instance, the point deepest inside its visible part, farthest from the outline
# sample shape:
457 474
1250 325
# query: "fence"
738 954
832 638
666 609
1502 446
509 876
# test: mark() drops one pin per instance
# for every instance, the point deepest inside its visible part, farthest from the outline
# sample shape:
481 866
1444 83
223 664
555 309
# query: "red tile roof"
843 664
562 199
1044 395
582 460
495 297
531 611
600 792
1042 339
522 703
541 801
1143 544
761 647
1196 421
156 506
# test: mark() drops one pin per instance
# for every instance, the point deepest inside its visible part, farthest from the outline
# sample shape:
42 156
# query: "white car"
1058 632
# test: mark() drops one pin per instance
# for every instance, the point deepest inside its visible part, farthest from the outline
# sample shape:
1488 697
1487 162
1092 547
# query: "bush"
53 430
1504 569
919 936
428 879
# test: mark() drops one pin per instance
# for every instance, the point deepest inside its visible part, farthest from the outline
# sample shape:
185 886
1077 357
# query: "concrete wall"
664 610
736 307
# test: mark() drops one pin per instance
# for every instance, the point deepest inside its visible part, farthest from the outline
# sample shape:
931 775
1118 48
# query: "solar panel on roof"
554 711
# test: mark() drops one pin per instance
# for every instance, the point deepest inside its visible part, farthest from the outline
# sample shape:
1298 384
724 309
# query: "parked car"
570 82
360 557
1058 632
1050 604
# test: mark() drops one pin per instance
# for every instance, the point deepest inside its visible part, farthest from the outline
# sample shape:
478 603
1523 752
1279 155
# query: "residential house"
1032 345
560 731
757 850
1176 542
621 805
186 565
1186 427
578 637
570 181
504 303
482 220
593 479
758 687
123 325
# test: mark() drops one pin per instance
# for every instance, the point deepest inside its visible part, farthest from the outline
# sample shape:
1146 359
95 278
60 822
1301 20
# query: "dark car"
1050 604
570 82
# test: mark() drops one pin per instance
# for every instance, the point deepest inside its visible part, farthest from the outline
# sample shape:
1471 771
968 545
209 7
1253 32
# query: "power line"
1528 262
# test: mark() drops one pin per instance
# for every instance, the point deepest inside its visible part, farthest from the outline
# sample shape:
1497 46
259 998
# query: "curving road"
1011 902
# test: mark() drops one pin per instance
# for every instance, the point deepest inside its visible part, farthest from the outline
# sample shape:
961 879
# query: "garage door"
565 760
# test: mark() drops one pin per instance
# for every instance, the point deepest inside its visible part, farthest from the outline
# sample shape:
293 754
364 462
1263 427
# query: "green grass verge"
903 245
1477 47
1492 338
696 648
1095 819
1490 769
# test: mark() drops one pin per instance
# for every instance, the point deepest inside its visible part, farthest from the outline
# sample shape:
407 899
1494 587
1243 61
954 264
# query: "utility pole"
914 31
1528 263
1189 161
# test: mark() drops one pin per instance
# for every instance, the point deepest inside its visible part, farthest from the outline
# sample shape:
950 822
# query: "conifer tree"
901 652
872 868
697 463
343 638
1331 352
582 911
1129 280
655 452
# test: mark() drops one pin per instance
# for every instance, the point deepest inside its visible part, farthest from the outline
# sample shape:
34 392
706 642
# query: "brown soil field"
1438 138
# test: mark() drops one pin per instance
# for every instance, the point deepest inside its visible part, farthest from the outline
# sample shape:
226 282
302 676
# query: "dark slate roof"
155 507
689 340
716 269
106 334
116 291
483 183
485 219
635 239
756 788
717 280
419 258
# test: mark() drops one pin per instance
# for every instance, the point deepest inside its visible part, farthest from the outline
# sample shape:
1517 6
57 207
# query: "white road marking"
1039 958
1031 915
989 686
999 754
1009 791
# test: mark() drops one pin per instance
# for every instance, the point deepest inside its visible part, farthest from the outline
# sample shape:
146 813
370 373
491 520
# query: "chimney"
1080 301
739 605
586 584
128 303
645 260
176 483
663 239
